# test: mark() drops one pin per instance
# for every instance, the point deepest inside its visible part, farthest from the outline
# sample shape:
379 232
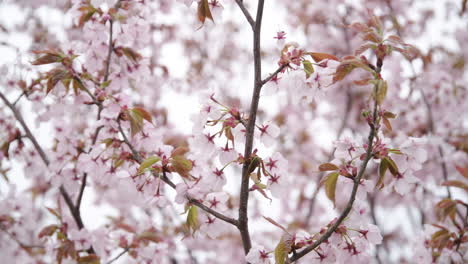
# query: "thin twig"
280 69
350 203
19 97
164 178
73 210
247 15
80 194
118 256
26 129
244 191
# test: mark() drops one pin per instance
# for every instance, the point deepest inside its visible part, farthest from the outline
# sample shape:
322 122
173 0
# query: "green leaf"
330 185
308 68
328 167
181 165
382 170
381 91
136 116
395 151
281 251
143 113
392 166
255 161
148 162
192 219
89 259
107 142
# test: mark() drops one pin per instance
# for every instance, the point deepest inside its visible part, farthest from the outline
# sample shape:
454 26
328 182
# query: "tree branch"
73 210
247 15
244 192
165 179
80 194
280 69
350 203
118 256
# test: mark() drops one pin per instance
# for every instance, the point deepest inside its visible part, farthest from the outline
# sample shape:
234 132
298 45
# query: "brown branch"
80 194
247 15
244 191
165 179
73 210
350 203
26 129
280 69
19 97
118 256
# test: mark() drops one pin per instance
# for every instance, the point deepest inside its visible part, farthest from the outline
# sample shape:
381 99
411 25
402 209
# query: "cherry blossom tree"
220 131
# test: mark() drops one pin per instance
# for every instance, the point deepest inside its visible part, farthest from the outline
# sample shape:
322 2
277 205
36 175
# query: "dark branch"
73 210
118 256
350 203
247 15
165 179
244 192
80 194
280 69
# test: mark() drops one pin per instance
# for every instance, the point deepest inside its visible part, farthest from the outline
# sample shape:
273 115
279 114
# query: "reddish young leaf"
54 76
462 170
182 166
328 167
47 231
204 11
47 59
387 123
143 113
389 114
457 184
131 54
318 57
